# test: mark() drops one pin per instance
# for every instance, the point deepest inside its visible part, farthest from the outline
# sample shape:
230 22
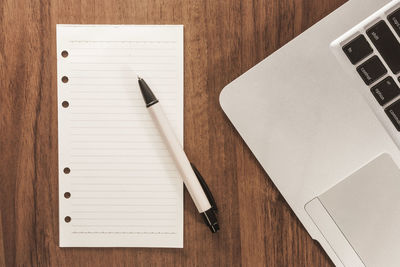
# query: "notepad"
118 186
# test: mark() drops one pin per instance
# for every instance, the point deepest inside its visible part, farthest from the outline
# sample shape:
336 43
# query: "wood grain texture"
2 256
222 40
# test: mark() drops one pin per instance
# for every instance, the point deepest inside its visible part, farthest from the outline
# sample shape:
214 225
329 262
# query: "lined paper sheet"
118 186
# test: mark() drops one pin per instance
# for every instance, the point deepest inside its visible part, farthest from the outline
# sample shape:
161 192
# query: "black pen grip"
205 188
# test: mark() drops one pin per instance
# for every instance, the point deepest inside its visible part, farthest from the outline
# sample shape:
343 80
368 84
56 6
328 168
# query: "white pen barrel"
185 169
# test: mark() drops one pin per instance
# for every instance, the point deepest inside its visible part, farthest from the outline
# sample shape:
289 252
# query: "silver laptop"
322 116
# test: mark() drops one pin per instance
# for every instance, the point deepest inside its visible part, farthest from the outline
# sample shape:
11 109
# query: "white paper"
125 189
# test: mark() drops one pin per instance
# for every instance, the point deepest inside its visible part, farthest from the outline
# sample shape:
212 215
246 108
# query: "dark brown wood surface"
223 38
2 258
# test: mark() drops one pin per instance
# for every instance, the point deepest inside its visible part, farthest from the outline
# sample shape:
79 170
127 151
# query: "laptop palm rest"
363 210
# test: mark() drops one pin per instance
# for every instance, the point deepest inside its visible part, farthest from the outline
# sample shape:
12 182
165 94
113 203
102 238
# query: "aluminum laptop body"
322 119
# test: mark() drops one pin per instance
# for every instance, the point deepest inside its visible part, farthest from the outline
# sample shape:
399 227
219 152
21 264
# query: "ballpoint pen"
191 177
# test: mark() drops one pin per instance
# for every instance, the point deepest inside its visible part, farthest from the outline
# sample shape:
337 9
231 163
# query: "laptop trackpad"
366 208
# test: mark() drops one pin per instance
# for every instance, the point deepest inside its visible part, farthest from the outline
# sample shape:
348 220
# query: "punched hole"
65 104
67 170
67 194
64 53
64 79
67 219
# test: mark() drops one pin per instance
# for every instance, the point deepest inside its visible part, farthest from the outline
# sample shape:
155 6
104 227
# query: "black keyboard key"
387 45
393 111
357 49
371 70
394 19
385 91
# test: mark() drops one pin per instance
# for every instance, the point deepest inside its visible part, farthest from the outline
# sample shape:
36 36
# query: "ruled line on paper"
123 225
122 70
121 191
115 77
124 233
122 219
131 176
119 178
102 198
118 41
130 48
121 63
118 212
98 156
124 56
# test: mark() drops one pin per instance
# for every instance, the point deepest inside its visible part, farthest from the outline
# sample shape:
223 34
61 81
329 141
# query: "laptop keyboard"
386 44
372 71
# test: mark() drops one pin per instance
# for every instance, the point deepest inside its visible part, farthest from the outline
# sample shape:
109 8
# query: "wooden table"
223 38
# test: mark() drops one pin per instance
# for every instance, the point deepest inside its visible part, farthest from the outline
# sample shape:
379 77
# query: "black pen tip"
148 96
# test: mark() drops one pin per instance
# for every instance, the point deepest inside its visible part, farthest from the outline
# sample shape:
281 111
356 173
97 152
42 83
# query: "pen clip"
205 188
